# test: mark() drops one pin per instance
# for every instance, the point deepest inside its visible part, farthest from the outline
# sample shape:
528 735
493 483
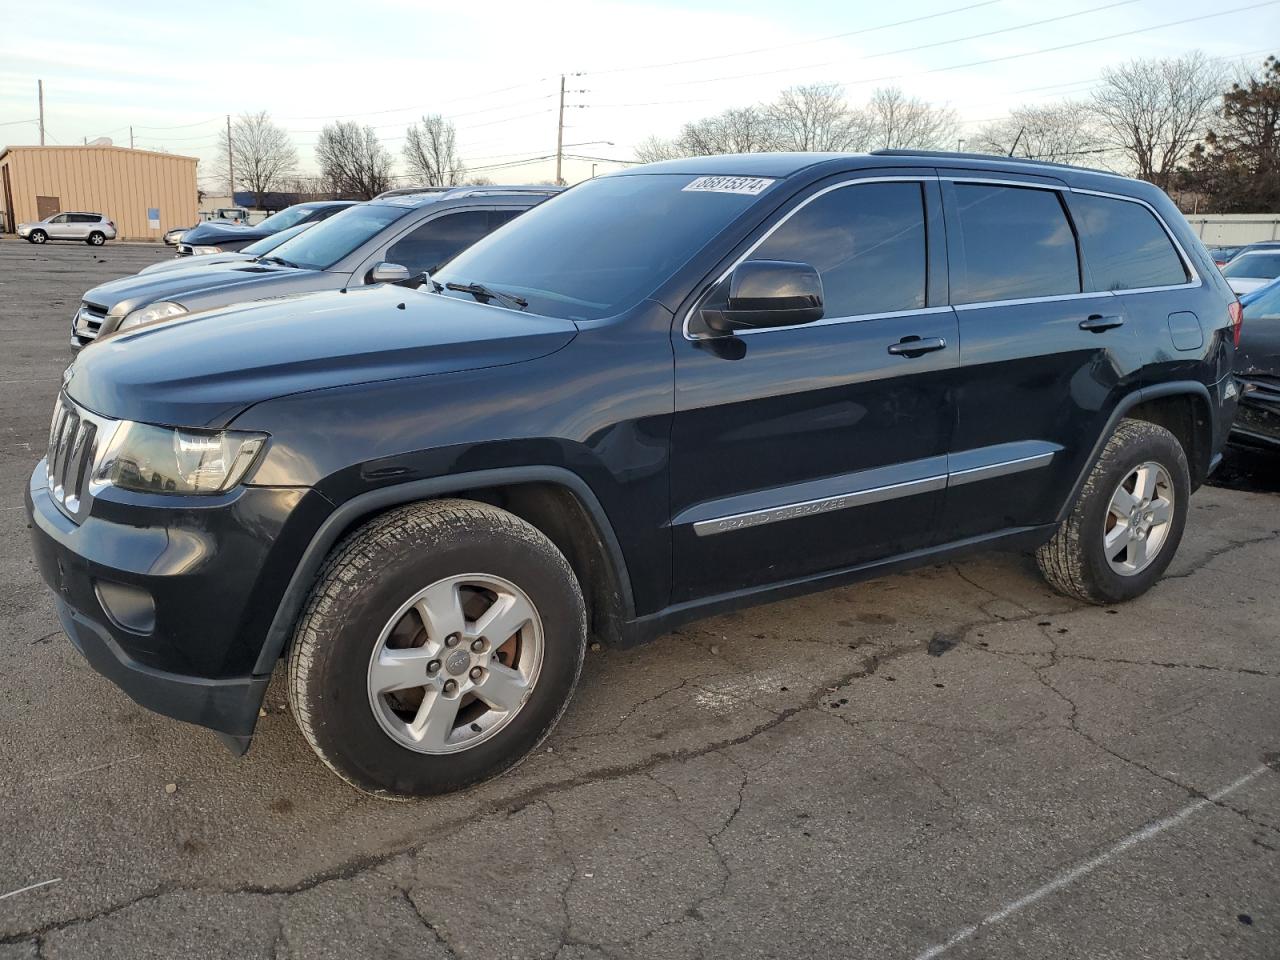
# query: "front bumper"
172 602
1257 421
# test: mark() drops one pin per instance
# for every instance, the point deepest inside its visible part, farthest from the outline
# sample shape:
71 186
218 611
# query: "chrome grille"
88 320
73 443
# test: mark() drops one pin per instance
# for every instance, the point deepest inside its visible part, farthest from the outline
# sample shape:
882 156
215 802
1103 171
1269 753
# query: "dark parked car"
1222 255
1258 370
667 393
395 239
206 238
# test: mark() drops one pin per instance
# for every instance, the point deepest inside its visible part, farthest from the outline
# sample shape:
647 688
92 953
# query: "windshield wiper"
485 294
280 260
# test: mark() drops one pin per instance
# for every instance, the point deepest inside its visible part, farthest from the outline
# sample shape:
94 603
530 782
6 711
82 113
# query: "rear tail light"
1236 313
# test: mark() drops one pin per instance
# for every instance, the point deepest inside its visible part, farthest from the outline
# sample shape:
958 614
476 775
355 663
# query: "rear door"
79 225
1043 357
797 451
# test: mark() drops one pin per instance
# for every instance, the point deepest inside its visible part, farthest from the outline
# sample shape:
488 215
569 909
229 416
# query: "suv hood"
227 280
204 370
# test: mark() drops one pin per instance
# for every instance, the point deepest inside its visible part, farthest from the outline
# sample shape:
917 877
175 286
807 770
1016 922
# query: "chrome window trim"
825 321
994 181
986 304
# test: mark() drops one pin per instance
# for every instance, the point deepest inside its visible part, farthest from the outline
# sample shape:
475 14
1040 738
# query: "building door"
46 207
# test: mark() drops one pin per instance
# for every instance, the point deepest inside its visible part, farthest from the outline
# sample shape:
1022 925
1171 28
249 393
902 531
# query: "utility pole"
40 89
131 138
559 133
231 164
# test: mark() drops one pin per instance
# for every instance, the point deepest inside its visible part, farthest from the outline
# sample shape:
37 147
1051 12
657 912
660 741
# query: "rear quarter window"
1015 243
1124 245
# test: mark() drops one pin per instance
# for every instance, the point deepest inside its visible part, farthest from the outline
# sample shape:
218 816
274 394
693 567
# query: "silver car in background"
91 228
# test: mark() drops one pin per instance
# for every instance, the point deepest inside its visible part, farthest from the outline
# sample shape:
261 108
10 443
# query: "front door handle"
916 347
1097 323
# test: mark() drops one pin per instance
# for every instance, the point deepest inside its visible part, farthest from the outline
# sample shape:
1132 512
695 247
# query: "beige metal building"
145 193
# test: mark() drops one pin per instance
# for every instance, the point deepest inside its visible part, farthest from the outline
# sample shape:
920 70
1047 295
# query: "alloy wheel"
455 664
1139 518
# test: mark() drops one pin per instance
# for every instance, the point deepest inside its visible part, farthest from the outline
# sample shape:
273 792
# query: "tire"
37 236
1076 562
361 611
96 239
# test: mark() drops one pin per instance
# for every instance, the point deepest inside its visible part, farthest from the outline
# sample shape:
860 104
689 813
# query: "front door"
1043 355
803 450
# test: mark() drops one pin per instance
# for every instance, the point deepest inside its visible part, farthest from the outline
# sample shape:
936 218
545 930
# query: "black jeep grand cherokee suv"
679 390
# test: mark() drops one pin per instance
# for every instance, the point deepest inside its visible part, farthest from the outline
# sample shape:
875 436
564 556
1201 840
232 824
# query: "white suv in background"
93 228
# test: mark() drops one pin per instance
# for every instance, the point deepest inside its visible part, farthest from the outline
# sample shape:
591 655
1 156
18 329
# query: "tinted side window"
438 240
1015 242
1124 244
868 243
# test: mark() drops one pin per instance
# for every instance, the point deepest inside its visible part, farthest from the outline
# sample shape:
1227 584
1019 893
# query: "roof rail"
991 158
492 189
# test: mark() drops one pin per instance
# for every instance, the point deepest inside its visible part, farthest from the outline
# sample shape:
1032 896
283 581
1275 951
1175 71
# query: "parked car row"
345 244
431 457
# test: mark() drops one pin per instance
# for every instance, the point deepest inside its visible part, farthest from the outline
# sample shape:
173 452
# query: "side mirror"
388 273
766 293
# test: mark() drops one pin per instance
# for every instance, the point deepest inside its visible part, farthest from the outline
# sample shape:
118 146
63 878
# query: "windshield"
286 218
1265 265
600 248
330 240
267 244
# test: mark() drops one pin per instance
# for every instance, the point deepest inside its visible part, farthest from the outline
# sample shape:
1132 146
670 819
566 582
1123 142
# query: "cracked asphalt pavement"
953 762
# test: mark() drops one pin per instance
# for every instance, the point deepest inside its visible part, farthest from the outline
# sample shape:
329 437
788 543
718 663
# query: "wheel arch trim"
1142 395
351 511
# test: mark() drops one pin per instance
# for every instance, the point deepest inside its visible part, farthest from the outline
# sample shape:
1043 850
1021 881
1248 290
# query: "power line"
797 43
473 96
912 49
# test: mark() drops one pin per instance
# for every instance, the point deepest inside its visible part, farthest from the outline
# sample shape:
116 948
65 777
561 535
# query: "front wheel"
38 236
1128 521
440 645
96 239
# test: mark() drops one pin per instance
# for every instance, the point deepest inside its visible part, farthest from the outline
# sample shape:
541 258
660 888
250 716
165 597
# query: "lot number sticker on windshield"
748 185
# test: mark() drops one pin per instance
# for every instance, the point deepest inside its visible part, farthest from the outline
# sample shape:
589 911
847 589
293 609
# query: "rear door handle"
916 347
1097 323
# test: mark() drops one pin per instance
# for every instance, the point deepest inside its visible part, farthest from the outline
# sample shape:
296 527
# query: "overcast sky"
174 70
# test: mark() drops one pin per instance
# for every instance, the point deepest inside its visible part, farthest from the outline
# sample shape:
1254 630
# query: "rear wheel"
440 645
1128 521
37 236
96 239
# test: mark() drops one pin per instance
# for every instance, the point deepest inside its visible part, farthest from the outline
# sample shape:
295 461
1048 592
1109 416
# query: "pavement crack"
439 937
1217 552
1169 665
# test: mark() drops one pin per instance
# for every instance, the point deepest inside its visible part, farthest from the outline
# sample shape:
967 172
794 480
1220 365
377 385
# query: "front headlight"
163 310
153 459
204 251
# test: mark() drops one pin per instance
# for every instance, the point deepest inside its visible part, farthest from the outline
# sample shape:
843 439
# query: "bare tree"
1152 111
352 160
653 149
895 120
738 130
1062 132
262 152
431 151
816 116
